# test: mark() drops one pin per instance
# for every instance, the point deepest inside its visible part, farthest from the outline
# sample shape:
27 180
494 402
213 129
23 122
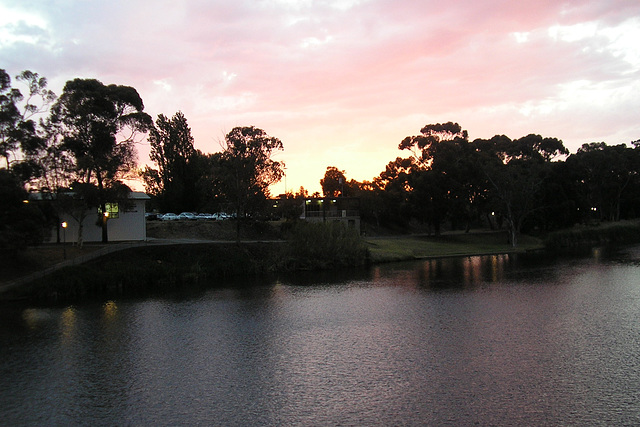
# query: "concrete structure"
341 209
125 223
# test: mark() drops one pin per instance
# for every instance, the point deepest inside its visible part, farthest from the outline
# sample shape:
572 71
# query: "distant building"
341 209
125 223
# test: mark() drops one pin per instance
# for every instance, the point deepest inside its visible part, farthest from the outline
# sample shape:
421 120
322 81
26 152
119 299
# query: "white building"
125 223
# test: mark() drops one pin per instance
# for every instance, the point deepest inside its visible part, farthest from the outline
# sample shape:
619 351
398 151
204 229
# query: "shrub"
323 245
617 233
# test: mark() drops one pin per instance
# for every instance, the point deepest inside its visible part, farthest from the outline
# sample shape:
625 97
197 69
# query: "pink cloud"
351 79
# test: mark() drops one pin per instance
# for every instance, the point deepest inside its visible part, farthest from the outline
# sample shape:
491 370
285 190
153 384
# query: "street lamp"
64 239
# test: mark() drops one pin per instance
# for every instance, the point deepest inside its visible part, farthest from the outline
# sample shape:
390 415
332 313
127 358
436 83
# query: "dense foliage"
173 183
21 223
323 245
528 184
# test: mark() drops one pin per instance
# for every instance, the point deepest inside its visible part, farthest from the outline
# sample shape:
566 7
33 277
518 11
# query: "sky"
342 82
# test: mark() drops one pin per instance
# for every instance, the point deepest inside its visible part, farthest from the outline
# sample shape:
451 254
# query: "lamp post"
105 234
64 239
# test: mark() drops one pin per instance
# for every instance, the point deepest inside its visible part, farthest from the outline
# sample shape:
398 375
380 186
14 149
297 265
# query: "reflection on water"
110 309
495 340
68 323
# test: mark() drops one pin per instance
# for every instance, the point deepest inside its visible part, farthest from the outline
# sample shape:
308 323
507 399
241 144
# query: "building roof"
139 195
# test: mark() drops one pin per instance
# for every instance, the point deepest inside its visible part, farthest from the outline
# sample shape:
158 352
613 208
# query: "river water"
493 340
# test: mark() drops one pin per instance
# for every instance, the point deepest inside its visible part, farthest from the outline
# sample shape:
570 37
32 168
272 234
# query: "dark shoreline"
150 269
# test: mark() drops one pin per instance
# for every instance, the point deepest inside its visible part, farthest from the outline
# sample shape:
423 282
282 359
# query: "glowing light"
31 317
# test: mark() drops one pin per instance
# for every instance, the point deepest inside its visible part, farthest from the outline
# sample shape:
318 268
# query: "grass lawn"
454 244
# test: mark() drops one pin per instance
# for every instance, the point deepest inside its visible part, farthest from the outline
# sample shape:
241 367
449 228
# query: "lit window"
112 210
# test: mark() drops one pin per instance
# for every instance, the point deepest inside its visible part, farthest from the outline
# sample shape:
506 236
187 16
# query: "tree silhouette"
172 151
100 124
246 169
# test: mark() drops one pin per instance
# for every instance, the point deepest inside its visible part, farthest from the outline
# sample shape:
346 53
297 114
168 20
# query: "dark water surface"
496 340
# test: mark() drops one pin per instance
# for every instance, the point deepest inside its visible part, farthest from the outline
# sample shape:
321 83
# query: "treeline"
528 184
235 180
77 150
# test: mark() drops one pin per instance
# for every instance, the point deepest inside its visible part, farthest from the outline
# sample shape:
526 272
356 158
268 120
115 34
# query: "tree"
100 124
517 171
76 202
603 175
18 129
246 169
21 223
9 116
204 169
290 206
424 146
173 183
393 187
442 178
335 184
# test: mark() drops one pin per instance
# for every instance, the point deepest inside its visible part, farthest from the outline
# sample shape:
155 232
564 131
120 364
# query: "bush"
323 245
616 233
21 224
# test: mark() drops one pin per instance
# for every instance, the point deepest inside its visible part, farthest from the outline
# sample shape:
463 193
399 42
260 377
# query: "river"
491 340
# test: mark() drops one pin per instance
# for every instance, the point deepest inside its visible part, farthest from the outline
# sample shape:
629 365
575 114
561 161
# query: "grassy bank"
614 233
149 269
389 249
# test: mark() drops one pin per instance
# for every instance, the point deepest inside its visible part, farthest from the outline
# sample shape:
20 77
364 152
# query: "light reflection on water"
496 340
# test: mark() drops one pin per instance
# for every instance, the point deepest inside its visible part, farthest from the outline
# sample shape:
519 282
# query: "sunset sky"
342 82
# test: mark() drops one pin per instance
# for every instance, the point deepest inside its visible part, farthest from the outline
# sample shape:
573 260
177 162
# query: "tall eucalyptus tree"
100 125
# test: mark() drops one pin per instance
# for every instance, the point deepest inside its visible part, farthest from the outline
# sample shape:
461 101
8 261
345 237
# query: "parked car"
169 217
151 216
205 217
187 216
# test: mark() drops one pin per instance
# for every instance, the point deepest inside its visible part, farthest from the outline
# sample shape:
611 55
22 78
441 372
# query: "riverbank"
171 264
611 233
158 267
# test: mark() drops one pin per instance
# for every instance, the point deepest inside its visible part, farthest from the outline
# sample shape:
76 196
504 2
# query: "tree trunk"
80 231
513 228
492 226
514 236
